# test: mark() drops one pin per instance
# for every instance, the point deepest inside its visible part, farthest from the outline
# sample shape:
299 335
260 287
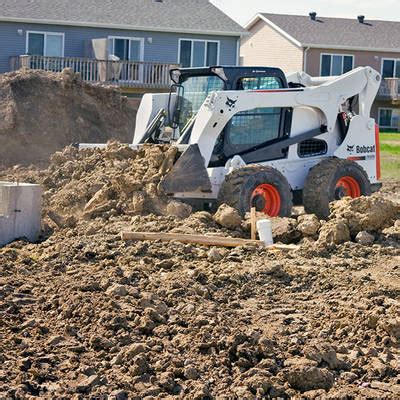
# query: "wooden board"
200 239
253 221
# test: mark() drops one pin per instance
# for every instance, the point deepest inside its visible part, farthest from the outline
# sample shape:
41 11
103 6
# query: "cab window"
259 83
253 127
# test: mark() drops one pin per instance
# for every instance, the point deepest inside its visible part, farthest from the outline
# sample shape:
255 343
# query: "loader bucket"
188 174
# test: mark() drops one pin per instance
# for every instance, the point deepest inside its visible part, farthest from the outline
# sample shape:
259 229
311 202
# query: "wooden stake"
201 239
253 221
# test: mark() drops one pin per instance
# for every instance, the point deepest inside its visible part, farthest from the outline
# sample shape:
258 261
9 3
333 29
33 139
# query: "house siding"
163 46
361 59
266 47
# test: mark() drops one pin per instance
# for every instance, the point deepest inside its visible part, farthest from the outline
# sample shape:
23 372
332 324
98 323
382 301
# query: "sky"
243 10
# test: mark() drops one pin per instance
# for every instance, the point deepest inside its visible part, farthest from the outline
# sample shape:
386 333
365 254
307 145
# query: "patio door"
130 52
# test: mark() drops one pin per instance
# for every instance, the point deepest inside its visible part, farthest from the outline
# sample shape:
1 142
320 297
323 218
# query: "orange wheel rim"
266 199
348 186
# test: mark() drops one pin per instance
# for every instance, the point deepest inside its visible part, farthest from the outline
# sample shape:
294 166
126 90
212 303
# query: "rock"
308 224
100 198
348 377
84 385
215 255
178 209
117 290
140 365
393 232
191 373
100 343
135 349
285 230
322 352
365 238
167 381
138 202
334 232
228 217
55 340
169 159
118 395
392 327
309 378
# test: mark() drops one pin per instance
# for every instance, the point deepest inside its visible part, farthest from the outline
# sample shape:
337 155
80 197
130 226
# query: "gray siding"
163 48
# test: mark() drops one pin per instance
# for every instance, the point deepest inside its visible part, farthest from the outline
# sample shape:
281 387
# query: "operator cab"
245 132
193 85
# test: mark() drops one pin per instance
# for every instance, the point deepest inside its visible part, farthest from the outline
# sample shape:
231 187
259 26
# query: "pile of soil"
42 112
87 314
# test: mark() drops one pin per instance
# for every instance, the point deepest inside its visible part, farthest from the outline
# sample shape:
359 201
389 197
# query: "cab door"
254 129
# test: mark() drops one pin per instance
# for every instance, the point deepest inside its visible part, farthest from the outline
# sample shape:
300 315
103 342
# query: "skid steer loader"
253 137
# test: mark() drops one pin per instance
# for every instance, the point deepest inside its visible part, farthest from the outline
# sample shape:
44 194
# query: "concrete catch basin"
20 211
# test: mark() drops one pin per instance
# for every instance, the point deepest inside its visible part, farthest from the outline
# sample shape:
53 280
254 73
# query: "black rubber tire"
239 185
320 186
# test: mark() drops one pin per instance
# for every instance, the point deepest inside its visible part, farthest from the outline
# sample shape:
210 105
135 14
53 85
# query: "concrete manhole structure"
20 211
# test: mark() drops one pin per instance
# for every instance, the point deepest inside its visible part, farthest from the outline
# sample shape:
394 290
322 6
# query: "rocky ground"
85 314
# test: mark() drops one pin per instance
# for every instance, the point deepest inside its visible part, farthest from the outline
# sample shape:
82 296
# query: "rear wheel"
333 179
264 188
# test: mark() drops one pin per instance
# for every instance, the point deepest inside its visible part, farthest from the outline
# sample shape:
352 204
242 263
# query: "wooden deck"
390 90
129 75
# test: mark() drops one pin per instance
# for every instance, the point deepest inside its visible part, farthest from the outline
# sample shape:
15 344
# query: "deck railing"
121 73
390 89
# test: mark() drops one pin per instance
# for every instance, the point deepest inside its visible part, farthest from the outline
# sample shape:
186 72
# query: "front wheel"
264 188
332 179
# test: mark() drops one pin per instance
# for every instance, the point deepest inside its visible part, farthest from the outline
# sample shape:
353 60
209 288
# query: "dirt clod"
228 217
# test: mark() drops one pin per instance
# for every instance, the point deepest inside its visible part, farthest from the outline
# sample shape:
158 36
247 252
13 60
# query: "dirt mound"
42 112
371 213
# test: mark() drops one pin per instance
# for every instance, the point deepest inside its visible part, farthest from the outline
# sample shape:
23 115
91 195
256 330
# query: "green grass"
390 155
390 148
389 137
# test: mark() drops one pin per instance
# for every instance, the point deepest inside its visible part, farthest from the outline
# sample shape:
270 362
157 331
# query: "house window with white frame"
49 44
389 118
127 48
198 53
390 68
336 64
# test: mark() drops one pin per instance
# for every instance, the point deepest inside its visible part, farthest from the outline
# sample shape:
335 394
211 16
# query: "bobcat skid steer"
253 137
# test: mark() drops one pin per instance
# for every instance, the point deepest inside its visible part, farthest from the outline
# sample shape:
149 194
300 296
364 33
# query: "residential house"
133 43
330 46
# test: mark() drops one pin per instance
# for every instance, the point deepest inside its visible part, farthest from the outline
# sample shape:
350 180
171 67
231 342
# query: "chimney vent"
313 16
361 19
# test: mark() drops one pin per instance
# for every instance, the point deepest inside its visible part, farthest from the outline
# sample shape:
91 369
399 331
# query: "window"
390 68
45 44
127 49
389 117
254 127
196 90
336 64
198 53
259 83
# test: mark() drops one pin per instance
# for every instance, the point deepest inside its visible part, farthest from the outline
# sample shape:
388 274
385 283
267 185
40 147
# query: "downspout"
305 51
238 51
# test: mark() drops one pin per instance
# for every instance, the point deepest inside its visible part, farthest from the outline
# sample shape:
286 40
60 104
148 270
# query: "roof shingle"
166 15
339 32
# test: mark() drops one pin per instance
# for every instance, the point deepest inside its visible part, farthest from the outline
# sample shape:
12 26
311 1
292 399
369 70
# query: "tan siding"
266 47
361 59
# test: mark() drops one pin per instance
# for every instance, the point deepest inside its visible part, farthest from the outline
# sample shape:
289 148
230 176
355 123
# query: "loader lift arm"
220 107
